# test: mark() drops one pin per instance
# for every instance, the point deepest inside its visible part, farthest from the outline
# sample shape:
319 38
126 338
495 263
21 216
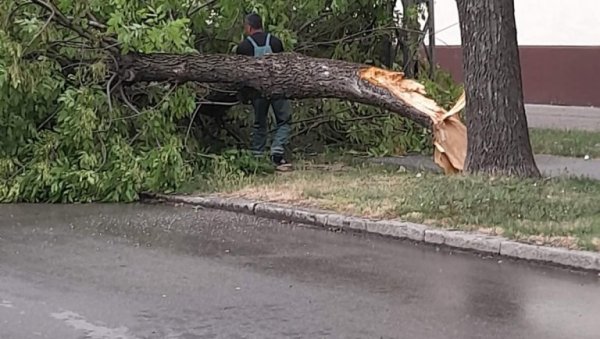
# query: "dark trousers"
283 114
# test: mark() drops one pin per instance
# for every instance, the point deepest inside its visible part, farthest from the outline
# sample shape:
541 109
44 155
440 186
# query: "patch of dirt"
267 194
496 231
326 168
554 241
596 242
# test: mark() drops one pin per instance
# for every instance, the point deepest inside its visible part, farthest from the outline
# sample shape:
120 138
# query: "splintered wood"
449 133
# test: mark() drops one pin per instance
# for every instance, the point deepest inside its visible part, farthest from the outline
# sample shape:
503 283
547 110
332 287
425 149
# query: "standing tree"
498 138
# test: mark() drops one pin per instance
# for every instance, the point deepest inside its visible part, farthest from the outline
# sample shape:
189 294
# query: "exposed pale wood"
449 133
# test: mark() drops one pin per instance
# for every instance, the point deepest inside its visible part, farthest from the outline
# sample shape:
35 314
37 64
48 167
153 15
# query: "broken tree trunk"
295 76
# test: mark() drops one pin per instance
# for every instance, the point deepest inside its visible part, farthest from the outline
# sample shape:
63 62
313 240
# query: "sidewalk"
563 117
549 165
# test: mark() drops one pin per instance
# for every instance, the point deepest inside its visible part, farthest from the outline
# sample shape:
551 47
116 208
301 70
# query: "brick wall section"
554 75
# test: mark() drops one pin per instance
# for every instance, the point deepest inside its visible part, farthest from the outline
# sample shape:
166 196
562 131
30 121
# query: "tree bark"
498 138
283 75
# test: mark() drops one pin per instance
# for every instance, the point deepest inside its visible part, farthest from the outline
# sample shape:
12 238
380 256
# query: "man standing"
257 44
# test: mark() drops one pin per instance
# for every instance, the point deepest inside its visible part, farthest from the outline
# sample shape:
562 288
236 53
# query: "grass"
565 143
562 212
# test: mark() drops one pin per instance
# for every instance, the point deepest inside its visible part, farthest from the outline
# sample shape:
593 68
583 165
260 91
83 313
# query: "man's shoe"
281 164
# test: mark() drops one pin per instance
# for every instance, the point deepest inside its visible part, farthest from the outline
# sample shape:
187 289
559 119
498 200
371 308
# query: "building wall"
559 44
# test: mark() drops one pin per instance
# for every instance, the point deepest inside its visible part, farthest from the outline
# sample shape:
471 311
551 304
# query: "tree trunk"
295 76
498 138
284 75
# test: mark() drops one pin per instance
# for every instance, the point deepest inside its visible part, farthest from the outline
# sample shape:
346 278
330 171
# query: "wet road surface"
141 271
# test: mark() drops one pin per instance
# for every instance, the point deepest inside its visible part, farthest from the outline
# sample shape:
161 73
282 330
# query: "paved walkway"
570 118
563 117
549 165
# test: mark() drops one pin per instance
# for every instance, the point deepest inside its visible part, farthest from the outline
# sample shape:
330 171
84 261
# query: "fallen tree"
74 132
295 76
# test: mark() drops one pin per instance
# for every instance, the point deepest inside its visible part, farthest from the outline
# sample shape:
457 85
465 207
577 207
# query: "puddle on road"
6 303
91 330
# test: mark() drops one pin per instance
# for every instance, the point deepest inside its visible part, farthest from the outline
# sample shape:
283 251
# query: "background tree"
498 137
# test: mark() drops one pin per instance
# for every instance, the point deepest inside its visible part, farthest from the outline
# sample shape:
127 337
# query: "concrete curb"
398 229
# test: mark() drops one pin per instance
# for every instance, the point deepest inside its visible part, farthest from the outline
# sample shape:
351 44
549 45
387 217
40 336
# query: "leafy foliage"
63 138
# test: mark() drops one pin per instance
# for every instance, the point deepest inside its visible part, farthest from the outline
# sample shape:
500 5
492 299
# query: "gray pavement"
141 271
552 166
563 117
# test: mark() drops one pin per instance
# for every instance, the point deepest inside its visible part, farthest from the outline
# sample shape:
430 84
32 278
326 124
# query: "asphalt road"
131 271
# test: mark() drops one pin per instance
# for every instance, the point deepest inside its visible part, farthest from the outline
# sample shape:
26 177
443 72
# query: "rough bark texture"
498 139
299 77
